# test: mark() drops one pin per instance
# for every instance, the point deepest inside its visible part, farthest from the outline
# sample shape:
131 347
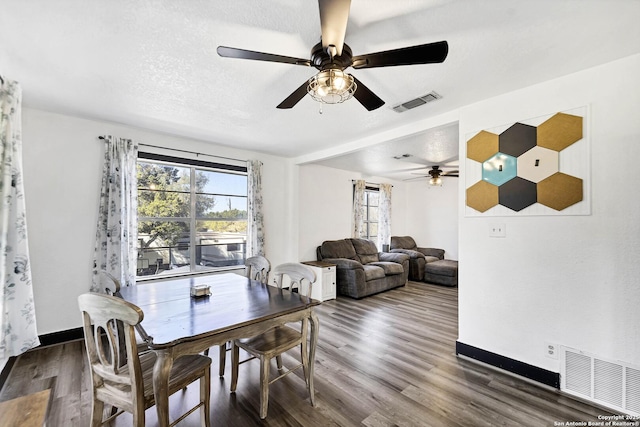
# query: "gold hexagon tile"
482 196
560 191
560 131
482 146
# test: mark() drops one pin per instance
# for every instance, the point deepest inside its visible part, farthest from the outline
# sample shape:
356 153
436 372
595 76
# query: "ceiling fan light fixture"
331 86
435 181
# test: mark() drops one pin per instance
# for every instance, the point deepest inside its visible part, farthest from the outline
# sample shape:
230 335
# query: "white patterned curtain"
117 229
358 209
255 219
18 317
384 216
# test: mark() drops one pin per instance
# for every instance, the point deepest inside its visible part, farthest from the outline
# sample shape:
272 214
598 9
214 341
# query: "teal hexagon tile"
499 169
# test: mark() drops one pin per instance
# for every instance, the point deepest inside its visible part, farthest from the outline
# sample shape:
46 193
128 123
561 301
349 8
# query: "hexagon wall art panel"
538 166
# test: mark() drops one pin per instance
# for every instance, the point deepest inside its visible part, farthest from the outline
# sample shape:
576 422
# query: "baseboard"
534 373
45 340
61 337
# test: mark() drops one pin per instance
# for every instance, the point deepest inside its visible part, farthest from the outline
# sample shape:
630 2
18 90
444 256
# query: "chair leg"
304 357
264 386
279 362
235 362
223 359
97 408
205 398
138 414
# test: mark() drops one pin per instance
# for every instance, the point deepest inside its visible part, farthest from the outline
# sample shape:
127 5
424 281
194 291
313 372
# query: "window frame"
194 165
366 222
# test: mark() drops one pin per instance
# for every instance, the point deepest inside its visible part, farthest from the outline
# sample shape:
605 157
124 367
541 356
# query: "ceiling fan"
436 173
332 56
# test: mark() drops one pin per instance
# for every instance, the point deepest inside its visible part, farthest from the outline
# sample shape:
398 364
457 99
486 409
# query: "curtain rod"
353 181
185 151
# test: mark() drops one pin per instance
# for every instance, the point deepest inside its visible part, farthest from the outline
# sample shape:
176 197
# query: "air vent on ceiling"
430 97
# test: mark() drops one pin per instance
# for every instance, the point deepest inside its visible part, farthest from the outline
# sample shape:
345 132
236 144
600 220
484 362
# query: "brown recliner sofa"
418 257
361 270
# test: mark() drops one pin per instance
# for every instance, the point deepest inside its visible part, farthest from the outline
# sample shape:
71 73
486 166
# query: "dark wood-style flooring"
386 360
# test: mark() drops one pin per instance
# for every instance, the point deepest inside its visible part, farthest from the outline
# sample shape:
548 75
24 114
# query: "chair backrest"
107 283
403 242
297 274
103 316
336 249
258 268
366 251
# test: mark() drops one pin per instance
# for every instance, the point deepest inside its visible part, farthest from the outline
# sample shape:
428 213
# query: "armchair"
418 257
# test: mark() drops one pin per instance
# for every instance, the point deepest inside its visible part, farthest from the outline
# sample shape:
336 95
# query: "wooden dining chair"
128 384
276 341
257 268
108 284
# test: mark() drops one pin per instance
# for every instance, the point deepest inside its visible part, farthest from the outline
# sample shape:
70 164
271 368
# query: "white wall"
432 215
63 167
568 280
325 206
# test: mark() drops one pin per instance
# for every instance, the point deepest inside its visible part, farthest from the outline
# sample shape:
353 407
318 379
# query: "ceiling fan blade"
368 99
295 97
422 54
232 52
451 173
334 15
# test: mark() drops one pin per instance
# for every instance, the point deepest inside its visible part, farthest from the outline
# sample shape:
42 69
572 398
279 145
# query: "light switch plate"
497 230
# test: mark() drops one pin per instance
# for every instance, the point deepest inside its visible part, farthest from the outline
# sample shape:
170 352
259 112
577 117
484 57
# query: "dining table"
176 323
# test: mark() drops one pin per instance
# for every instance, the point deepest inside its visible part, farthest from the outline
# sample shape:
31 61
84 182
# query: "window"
192 215
371 198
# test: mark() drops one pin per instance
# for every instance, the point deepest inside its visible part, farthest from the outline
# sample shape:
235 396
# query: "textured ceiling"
406 158
153 64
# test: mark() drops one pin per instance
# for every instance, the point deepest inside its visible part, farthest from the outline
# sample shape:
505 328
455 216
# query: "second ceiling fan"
332 56
436 173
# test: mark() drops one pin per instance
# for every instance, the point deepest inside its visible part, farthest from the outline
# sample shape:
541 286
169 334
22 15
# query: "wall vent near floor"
609 383
421 100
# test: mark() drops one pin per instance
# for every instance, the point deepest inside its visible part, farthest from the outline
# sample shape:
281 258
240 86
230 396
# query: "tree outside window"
190 219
